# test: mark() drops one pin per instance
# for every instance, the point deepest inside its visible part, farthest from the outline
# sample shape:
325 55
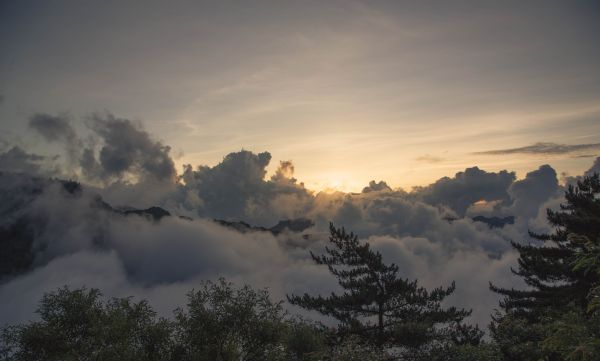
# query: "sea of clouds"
78 237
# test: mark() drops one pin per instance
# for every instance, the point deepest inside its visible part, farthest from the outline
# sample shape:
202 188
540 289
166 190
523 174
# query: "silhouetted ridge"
495 222
156 213
291 225
18 226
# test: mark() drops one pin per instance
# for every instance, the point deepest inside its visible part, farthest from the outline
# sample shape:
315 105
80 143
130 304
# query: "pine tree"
549 268
377 305
562 274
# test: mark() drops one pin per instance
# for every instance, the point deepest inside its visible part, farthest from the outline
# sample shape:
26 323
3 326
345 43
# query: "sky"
439 132
350 91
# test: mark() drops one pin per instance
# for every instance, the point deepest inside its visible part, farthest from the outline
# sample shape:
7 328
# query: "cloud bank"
59 232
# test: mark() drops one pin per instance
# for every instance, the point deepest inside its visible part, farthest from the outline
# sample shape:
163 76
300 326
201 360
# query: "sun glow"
334 183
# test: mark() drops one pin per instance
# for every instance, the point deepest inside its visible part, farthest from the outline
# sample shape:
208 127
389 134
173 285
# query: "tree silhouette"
549 268
377 305
563 275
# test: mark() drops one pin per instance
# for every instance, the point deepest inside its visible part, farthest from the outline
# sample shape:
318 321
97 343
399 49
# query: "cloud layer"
82 234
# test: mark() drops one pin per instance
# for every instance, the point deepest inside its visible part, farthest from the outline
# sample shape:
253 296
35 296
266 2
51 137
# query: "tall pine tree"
562 275
377 305
549 268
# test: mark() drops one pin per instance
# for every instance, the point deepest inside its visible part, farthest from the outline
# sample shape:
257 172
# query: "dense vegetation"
380 315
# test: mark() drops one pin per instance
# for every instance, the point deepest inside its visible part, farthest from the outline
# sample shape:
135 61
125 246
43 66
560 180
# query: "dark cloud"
530 193
57 128
544 148
52 128
127 150
466 188
17 160
236 189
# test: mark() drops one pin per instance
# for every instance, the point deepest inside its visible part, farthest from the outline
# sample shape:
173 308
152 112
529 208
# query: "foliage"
555 318
377 305
548 269
304 340
587 260
76 325
353 349
466 352
222 323
573 336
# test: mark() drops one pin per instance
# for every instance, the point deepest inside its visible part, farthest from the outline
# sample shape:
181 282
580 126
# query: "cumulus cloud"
285 172
236 189
127 150
376 187
529 193
466 188
544 148
117 150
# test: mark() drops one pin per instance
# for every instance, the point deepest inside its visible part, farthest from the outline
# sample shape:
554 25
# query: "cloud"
52 128
529 193
75 236
544 148
376 187
236 189
466 188
595 168
428 158
127 150
77 240
284 172
57 128
17 160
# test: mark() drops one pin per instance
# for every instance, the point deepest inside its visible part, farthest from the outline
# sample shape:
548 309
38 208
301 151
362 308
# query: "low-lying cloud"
82 234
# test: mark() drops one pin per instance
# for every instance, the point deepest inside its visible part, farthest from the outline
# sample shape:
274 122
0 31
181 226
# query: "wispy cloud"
428 158
544 148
